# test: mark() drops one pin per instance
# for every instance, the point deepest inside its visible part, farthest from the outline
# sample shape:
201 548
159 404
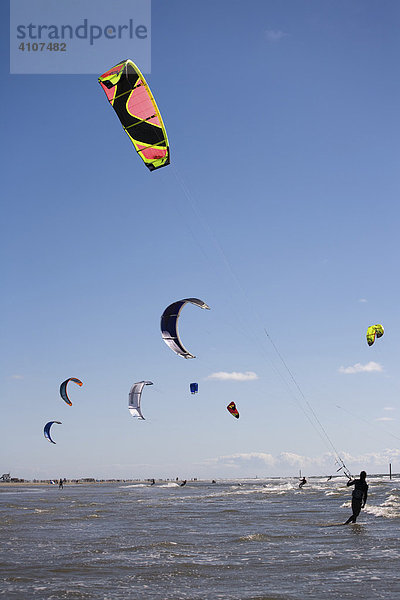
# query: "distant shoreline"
55 482
92 481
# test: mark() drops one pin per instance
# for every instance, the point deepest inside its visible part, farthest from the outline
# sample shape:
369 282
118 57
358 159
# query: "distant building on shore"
6 478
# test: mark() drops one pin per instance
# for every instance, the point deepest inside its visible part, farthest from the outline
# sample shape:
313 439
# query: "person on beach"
302 482
60 484
359 496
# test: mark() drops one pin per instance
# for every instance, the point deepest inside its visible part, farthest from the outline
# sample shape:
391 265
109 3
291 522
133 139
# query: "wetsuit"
359 498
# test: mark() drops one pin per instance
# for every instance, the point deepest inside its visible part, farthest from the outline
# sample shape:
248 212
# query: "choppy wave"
261 539
389 508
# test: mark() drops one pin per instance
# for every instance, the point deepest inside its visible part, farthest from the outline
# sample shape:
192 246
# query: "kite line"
315 422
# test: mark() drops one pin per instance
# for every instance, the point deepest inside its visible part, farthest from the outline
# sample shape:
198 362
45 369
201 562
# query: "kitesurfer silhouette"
359 496
60 484
183 483
302 482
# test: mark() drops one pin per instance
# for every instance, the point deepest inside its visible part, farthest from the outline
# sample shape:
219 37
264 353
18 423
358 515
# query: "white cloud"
234 376
274 35
388 408
284 461
359 368
283 464
373 459
363 300
384 419
295 460
238 460
17 376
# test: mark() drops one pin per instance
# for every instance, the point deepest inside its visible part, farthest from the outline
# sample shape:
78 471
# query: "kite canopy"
63 389
169 325
132 100
46 430
194 388
135 396
233 410
374 331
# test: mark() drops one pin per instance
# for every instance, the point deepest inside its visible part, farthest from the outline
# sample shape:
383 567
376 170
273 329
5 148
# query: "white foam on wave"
390 508
280 488
169 485
134 485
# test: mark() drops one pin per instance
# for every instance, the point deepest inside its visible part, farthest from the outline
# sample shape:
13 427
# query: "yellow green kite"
374 331
132 100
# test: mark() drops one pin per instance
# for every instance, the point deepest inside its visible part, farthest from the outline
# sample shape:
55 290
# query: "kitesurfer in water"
359 496
302 482
183 483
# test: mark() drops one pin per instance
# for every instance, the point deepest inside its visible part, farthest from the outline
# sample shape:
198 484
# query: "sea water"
260 539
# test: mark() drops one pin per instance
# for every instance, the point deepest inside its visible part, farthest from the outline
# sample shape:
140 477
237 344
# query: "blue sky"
280 210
